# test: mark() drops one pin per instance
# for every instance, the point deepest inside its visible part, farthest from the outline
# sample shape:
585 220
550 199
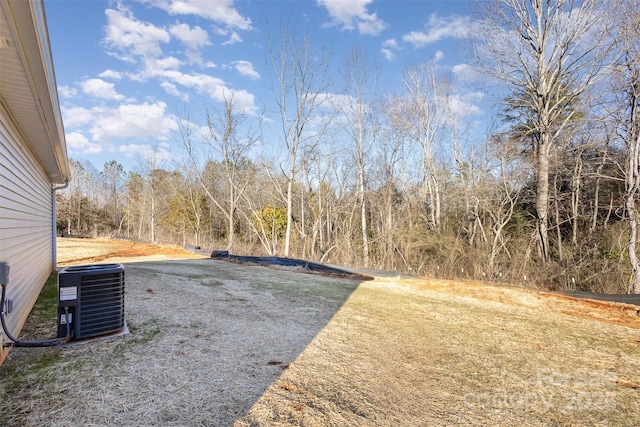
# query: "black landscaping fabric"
307 266
633 299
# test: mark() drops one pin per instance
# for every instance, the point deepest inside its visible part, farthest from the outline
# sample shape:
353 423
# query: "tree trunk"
232 208
576 185
632 188
558 221
363 214
365 237
152 219
436 203
287 237
542 197
634 286
596 197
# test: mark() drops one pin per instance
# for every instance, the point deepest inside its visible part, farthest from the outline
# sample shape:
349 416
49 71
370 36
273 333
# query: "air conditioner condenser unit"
94 297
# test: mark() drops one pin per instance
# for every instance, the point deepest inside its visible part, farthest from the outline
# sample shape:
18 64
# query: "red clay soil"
73 251
604 311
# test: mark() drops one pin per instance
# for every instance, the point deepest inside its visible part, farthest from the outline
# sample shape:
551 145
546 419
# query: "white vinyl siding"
26 229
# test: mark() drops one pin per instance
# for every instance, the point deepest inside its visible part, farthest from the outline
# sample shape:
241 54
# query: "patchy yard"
214 343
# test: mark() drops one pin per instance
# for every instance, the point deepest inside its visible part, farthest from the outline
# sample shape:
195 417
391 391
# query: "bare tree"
75 193
422 117
152 192
626 16
357 108
230 135
501 201
388 167
300 83
258 200
114 176
547 53
149 193
83 200
136 204
188 206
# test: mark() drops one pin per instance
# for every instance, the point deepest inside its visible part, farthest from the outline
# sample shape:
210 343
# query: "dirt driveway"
218 344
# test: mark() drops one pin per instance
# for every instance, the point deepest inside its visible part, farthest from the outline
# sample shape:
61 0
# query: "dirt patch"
72 251
605 311
215 343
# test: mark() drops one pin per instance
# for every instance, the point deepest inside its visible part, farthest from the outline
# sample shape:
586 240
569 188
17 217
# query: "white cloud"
193 57
439 28
466 105
389 48
371 25
337 101
388 54
194 38
233 39
110 74
391 44
76 116
461 69
246 69
100 89
154 67
78 143
212 87
438 56
465 72
131 37
131 121
153 155
353 14
233 36
220 11
67 92
146 120
124 123
171 89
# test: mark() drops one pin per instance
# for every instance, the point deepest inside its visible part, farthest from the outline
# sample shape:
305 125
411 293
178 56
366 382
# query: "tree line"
545 196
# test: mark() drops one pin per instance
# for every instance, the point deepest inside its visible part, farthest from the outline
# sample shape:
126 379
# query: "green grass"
211 282
139 334
46 307
34 362
32 369
309 286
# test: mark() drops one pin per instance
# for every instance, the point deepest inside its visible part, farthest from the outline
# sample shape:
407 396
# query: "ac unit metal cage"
94 298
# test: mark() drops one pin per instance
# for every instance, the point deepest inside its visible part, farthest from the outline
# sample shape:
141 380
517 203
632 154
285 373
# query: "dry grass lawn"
215 343
430 353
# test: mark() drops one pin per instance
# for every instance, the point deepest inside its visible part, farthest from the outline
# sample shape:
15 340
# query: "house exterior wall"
33 158
26 229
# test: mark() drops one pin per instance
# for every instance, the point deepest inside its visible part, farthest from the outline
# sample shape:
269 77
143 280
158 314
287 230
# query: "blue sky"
126 69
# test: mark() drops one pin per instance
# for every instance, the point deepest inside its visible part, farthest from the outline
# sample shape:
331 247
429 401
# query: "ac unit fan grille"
102 300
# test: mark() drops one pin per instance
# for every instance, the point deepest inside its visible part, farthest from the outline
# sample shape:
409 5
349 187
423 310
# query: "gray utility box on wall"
94 298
